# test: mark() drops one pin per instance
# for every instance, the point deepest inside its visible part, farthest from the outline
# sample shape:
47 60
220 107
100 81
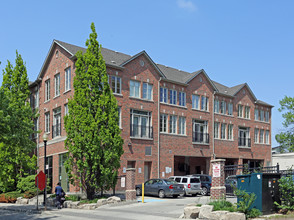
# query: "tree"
93 136
286 138
16 126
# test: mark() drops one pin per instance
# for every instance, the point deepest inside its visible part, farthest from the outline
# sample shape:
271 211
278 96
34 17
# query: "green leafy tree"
93 135
286 187
286 138
16 126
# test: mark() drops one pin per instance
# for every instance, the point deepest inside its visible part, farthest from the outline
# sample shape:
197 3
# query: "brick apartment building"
172 122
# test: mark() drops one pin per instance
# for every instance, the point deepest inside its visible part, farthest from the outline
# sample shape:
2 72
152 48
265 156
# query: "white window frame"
163 95
182 125
223 107
256 135
216 106
117 84
240 111
261 136
266 116
204 103
135 89
47 122
147 91
247 112
173 97
173 124
47 90
57 84
66 109
163 123
216 130
267 136
195 102
67 79
230 131
261 115
230 108
182 99
223 131
119 116
256 114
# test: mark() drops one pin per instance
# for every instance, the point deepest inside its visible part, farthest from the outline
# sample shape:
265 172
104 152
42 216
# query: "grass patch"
198 205
223 205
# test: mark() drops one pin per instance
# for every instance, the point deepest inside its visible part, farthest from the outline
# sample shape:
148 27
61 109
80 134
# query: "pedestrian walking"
58 192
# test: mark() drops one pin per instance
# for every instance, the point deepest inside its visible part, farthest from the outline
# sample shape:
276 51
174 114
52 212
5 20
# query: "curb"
27 211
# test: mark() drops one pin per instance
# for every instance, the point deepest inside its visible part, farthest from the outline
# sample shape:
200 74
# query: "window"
141 124
182 99
200 134
47 122
172 124
132 164
256 114
148 151
36 99
267 116
47 90
163 95
182 125
147 91
267 137
66 109
261 136
195 101
56 130
67 79
240 111
36 123
163 123
216 129
230 132
244 140
230 109
216 106
204 103
223 107
57 84
173 97
115 84
119 116
247 112
135 89
256 135
261 115
223 130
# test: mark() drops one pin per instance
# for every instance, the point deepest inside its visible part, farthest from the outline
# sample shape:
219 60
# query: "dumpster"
266 188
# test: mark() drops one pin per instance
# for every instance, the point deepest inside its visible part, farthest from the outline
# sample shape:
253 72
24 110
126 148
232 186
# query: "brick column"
218 189
130 184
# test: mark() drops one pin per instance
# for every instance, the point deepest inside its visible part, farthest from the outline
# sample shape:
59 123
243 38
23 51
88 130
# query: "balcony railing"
56 130
244 142
141 131
199 137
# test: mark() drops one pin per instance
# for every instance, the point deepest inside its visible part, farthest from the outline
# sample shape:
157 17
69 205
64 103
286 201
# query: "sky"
233 41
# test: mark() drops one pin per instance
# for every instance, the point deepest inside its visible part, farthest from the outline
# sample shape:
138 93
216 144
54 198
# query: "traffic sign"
40 180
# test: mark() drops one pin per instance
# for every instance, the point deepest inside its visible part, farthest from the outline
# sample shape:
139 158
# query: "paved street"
154 208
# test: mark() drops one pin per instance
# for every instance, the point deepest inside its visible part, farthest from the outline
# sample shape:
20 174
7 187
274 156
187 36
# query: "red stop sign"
40 180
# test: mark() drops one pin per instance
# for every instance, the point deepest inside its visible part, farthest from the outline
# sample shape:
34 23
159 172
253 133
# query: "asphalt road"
153 208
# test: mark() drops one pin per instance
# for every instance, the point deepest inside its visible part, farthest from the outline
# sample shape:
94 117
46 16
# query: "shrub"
73 198
223 205
10 197
286 186
253 213
26 183
31 193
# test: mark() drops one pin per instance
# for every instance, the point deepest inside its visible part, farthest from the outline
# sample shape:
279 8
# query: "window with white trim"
256 114
47 90
216 106
182 125
267 136
147 91
230 132
261 138
216 130
163 95
172 124
172 97
223 130
223 107
247 112
204 103
57 84
115 84
66 109
256 135
266 116
261 115
182 98
135 89
163 123
230 109
119 116
47 122
195 102
240 111
67 79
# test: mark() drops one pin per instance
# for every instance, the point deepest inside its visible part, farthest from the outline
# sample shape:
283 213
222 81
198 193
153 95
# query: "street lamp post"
45 137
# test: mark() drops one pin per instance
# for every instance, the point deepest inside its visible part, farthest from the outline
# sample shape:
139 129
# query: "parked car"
205 183
230 183
161 188
191 184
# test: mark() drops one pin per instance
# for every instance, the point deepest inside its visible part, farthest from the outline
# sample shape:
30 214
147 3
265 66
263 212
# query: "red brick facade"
171 154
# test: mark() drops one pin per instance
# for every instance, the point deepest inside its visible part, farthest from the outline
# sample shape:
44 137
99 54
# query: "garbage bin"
266 188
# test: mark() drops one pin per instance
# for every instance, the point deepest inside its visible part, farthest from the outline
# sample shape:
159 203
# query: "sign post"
40 182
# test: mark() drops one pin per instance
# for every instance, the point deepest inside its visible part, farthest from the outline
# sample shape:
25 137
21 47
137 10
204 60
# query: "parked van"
191 184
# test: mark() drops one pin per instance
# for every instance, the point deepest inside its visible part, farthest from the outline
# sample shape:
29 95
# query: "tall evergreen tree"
93 135
16 126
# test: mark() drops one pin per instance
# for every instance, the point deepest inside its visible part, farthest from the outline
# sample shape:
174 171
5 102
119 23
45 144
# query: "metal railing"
141 131
199 137
244 142
56 130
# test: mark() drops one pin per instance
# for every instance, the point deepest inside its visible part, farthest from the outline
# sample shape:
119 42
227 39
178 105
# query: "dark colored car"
205 183
230 183
161 188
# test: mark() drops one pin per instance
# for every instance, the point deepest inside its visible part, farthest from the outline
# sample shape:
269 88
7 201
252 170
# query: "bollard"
142 192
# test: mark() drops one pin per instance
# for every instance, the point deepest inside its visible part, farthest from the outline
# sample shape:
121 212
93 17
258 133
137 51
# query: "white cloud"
186 4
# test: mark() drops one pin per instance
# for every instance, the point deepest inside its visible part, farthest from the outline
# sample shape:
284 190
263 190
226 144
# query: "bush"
286 186
223 205
26 183
10 197
31 193
73 198
253 213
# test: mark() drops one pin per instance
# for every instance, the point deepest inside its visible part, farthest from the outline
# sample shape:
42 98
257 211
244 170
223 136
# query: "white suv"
191 184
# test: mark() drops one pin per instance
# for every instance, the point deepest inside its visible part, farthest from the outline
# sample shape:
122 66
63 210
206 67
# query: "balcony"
141 131
244 142
56 130
199 137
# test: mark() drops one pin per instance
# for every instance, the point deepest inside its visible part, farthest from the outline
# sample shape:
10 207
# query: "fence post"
130 185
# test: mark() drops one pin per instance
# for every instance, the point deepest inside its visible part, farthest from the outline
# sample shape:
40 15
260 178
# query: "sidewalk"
28 209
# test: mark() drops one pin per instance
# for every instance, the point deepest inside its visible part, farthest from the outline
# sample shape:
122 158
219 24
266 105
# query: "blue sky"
233 41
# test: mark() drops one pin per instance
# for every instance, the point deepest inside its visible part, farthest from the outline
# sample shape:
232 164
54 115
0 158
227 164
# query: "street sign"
40 180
